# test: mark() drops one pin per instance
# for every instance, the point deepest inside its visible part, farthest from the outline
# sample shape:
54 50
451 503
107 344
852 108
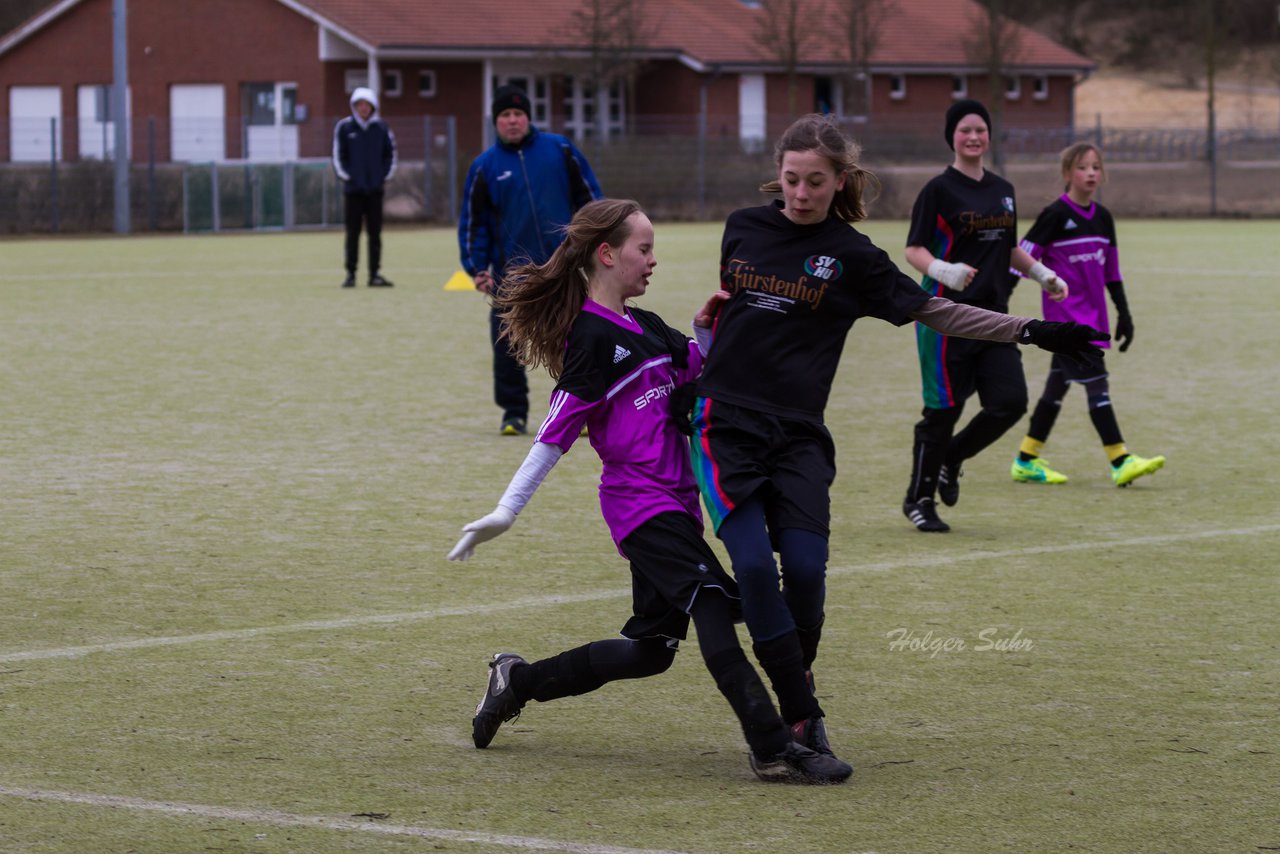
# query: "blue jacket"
364 154
516 200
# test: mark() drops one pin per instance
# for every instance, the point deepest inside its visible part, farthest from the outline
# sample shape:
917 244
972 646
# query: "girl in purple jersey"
798 276
1077 237
616 367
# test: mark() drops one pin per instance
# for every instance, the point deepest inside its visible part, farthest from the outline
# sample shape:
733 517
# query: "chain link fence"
56 178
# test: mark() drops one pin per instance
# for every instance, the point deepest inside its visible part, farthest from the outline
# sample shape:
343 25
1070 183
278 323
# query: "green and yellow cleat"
1035 470
1134 467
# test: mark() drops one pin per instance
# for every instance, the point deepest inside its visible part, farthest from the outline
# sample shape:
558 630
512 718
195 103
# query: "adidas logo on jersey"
1071 223
620 353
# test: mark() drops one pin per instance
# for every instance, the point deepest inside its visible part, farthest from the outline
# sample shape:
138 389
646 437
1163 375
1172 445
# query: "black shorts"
1092 367
670 564
738 452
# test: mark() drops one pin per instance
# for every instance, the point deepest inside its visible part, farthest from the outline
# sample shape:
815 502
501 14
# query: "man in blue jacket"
364 156
518 195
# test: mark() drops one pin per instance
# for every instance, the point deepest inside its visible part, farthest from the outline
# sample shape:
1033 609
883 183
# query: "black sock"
738 681
783 662
809 639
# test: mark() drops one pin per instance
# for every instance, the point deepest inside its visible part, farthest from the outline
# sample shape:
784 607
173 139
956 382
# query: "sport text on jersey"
653 394
770 291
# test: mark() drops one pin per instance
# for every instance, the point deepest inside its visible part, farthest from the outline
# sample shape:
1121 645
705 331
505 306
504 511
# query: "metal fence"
56 178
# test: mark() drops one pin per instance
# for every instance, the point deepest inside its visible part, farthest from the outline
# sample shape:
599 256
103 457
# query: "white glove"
481 531
1049 280
954 276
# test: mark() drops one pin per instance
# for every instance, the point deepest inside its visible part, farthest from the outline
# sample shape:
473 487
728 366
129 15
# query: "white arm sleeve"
541 459
702 334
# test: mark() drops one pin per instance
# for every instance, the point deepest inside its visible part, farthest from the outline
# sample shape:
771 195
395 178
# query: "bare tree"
993 44
859 23
783 31
614 32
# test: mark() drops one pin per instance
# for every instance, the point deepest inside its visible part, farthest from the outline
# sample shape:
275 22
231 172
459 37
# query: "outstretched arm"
1073 340
536 466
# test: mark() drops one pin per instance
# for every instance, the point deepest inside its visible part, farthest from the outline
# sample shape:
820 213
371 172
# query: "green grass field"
227 488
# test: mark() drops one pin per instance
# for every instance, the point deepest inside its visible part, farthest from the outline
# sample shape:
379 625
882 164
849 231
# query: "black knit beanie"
957 111
510 98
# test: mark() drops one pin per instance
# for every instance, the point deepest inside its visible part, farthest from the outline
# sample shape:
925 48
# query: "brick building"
265 79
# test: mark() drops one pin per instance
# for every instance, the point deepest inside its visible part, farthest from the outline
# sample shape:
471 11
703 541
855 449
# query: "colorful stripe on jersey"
935 380
705 469
943 240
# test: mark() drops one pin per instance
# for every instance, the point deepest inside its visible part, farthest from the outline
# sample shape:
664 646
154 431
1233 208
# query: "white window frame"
1012 87
1040 89
897 86
427 75
959 86
392 83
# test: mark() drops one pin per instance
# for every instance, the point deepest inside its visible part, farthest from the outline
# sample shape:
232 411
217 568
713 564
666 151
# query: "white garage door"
97 128
197 119
31 109
751 110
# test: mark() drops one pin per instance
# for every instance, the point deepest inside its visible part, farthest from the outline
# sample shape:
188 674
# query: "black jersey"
796 291
963 221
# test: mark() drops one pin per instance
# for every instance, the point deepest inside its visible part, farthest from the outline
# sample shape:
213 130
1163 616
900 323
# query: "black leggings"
588 667
364 208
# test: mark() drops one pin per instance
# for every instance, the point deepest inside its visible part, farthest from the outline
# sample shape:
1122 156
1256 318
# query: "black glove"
1124 330
1124 320
680 404
1070 339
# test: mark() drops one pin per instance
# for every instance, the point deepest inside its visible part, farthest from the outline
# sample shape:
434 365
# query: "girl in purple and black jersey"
797 277
1077 236
616 367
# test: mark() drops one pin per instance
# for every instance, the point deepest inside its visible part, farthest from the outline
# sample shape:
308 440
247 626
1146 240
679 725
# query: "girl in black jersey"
615 367
798 276
964 240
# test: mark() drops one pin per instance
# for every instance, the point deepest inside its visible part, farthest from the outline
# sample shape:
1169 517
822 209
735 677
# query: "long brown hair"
539 302
816 132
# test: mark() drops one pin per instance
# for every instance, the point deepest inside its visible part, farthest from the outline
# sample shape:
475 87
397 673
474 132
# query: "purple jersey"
1080 246
618 374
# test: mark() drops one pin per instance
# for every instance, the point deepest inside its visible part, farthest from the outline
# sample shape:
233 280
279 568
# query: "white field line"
599 596
273 818
134 275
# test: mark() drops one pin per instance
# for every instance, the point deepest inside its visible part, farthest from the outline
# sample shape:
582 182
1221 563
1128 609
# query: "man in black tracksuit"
364 156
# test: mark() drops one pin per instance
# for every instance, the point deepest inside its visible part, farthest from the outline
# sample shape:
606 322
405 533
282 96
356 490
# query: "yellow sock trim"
1115 452
1031 447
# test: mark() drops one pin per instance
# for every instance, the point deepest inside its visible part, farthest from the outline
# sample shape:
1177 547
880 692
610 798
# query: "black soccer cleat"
349 281
499 703
949 484
924 515
376 281
798 764
812 733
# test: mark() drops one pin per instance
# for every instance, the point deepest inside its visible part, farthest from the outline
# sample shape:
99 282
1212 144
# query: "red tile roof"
915 33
